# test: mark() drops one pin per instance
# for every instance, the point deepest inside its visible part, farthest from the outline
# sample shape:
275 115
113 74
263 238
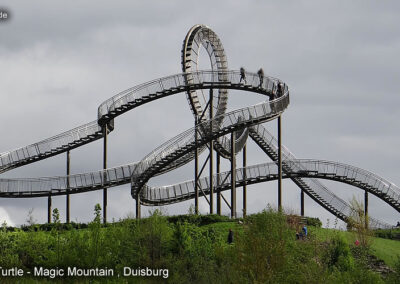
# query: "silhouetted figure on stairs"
261 76
242 75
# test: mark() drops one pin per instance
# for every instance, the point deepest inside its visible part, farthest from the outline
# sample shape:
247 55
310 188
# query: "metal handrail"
254 174
9 158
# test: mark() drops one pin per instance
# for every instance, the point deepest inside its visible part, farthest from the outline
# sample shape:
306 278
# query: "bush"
265 250
339 255
393 234
198 219
316 222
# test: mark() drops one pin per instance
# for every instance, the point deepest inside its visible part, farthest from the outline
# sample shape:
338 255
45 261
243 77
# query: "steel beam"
233 176
196 171
218 183
366 208
211 112
49 209
279 164
138 209
244 181
68 185
226 202
302 202
105 134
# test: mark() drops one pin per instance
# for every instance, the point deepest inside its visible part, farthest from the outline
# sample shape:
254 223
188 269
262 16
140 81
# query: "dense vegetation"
195 250
393 234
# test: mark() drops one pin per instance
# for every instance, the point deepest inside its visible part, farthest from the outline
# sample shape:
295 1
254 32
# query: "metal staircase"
313 187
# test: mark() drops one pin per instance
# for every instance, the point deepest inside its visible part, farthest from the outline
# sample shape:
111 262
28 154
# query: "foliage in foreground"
194 249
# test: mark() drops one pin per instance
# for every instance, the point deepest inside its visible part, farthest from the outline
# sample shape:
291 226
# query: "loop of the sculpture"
197 37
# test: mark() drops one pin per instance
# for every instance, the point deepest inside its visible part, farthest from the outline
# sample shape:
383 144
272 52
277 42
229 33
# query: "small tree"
30 219
191 210
4 226
56 231
97 213
358 222
56 216
95 235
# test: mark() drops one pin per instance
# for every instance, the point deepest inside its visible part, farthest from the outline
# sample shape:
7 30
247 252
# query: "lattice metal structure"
213 129
202 36
55 145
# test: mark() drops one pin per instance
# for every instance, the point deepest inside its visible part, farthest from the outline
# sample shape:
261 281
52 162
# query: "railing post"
233 176
105 130
68 185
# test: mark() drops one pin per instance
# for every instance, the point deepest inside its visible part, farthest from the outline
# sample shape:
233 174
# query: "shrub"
393 234
316 222
339 255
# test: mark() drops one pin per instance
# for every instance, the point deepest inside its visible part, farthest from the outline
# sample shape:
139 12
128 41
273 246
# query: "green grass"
385 249
223 227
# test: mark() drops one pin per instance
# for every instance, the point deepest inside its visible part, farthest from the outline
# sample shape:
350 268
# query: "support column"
218 183
366 208
211 155
196 171
279 165
105 130
138 211
68 185
244 181
233 176
302 202
49 209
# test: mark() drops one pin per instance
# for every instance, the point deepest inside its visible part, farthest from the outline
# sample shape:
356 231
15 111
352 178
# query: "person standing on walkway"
272 96
261 76
242 75
279 90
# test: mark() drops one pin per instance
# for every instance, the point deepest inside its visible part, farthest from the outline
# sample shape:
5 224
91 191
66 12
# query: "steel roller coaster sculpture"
215 129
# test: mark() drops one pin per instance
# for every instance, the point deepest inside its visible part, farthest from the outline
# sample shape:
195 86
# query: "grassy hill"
194 249
384 249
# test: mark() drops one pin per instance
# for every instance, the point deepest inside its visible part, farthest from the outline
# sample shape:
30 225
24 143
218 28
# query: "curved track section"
366 180
314 188
128 100
354 176
186 142
304 169
300 169
119 104
47 148
197 37
202 36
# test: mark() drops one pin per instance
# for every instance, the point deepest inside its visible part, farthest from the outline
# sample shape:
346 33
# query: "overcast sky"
340 59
